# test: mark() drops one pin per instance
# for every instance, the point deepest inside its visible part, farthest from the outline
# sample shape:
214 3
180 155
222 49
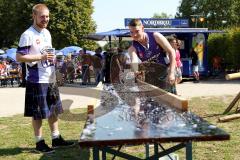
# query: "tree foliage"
15 16
162 15
70 21
215 12
226 46
124 45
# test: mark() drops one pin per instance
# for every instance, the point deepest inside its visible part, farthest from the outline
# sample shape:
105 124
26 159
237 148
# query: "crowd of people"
91 69
10 73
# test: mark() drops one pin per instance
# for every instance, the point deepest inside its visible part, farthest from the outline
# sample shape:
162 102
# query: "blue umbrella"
2 51
90 52
4 56
11 53
59 54
70 49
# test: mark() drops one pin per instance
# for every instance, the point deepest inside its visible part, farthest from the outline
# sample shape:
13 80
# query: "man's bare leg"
53 125
37 126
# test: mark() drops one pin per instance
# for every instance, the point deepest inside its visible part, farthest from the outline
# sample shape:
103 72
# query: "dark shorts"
42 100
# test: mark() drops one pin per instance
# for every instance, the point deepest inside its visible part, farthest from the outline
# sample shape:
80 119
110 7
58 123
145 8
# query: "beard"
42 24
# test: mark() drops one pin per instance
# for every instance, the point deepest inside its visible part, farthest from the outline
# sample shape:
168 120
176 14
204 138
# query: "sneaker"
42 147
60 142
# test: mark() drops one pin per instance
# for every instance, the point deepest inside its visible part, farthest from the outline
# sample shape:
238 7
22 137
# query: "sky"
110 14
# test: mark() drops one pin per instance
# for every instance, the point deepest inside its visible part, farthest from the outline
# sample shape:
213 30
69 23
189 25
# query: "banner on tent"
161 23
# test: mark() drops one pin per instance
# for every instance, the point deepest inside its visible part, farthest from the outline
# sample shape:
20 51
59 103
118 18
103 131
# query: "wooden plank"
232 76
232 104
163 96
229 117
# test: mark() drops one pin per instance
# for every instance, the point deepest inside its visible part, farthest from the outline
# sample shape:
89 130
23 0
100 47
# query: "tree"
215 12
14 18
235 7
70 21
162 15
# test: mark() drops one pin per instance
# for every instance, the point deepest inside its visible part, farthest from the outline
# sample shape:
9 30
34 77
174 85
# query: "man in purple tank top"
148 47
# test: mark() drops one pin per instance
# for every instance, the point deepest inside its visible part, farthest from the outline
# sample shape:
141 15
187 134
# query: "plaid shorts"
42 100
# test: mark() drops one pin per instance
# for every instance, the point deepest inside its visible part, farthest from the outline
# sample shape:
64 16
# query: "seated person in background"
3 69
3 73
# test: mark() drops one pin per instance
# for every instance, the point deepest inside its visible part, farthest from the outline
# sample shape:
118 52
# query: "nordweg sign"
161 23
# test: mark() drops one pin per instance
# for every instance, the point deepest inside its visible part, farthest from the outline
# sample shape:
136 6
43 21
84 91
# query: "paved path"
12 99
208 88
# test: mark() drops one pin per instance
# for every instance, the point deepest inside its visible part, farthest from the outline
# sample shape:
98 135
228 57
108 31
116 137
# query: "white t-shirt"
35 42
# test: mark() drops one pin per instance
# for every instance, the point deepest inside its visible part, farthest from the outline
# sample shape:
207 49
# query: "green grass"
211 109
17 141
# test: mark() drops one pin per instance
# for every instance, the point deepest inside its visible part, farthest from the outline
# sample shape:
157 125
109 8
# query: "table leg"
147 150
155 151
96 153
104 154
189 150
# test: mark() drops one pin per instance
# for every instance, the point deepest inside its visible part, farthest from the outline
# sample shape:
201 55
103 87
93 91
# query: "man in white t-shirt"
42 100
